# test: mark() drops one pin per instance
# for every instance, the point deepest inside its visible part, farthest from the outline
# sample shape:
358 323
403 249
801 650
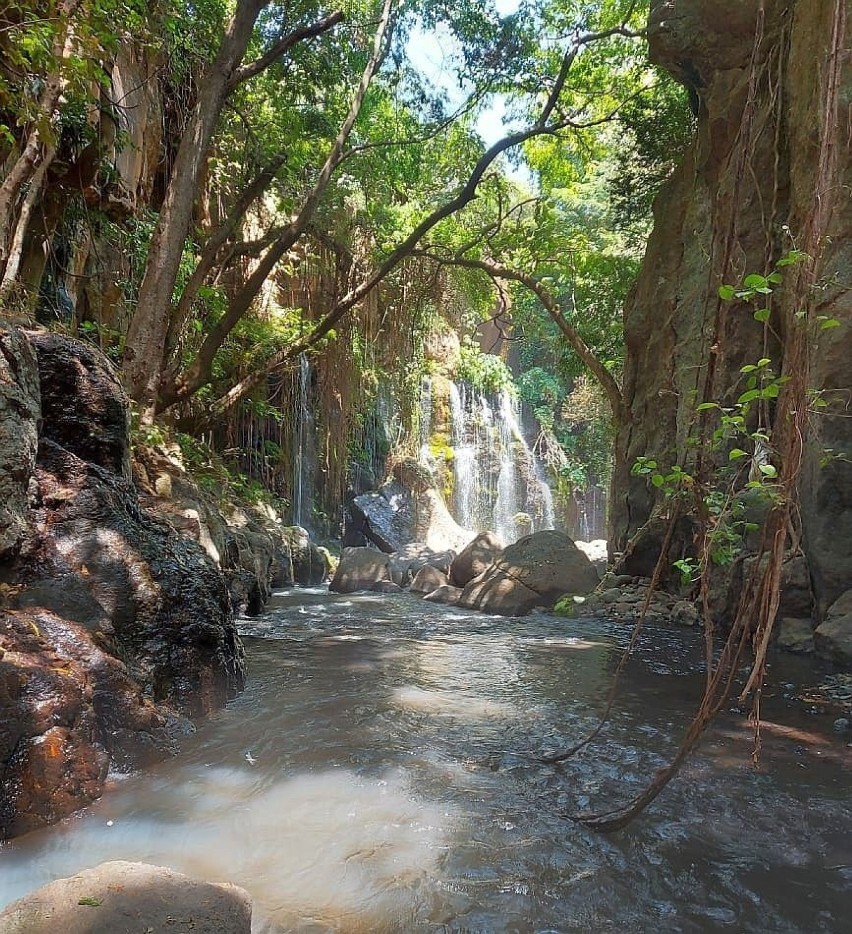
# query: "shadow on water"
376 776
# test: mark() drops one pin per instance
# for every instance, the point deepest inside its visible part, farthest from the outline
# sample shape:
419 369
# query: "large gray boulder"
359 569
406 509
129 898
534 572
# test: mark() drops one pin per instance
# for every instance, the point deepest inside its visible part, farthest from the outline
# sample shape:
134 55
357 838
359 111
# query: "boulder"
833 640
833 637
359 569
475 558
427 579
20 410
446 593
405 563
796 635
309 564
386 587
406 509
118 897
533 572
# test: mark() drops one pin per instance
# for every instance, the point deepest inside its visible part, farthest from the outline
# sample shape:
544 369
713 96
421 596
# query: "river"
377 775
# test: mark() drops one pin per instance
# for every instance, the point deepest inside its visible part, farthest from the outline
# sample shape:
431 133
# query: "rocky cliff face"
746 193
113 627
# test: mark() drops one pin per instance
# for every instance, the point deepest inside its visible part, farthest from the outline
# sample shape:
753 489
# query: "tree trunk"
27 162
146 337
199 372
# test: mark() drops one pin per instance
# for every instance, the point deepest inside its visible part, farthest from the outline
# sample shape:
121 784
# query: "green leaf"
764 361
771 391
775 277
754 281
762 314
657 480
727 292
737 453
828 324
707 405
768 471
749 396
748 368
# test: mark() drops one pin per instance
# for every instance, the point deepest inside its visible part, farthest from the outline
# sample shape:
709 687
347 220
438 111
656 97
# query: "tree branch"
551 305
281 46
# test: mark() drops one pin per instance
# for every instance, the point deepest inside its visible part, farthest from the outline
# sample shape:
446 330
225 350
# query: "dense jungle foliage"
208 190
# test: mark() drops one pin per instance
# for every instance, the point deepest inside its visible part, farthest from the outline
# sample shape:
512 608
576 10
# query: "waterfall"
301 429
498 482
425 420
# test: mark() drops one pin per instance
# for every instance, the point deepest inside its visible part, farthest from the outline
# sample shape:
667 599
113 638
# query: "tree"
146 338
565 108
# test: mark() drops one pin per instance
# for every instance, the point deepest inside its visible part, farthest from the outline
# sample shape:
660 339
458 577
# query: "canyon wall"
759 72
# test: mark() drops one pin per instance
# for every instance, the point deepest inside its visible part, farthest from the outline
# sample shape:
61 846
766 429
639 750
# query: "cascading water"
425 419
302 430
498 482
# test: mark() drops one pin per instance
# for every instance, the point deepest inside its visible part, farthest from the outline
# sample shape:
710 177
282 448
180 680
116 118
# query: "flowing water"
498 482
375 776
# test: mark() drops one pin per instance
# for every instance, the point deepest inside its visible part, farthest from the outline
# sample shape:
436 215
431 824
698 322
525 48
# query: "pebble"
841 724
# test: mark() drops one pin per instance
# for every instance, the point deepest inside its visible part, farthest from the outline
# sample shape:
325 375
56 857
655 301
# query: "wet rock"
428 579
69 709
684 613
386 587
117 625
359 569
309 565
446 593
475 558
841 724
833 637
535 571
85 410
796 635
120 896
405 563
20 410
166 600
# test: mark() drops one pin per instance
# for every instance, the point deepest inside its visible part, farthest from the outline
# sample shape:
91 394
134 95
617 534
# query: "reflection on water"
376 776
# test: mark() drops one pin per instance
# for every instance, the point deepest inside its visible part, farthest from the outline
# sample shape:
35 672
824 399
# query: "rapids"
376 775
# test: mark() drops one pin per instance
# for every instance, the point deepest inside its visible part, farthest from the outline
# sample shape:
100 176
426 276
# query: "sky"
431 52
